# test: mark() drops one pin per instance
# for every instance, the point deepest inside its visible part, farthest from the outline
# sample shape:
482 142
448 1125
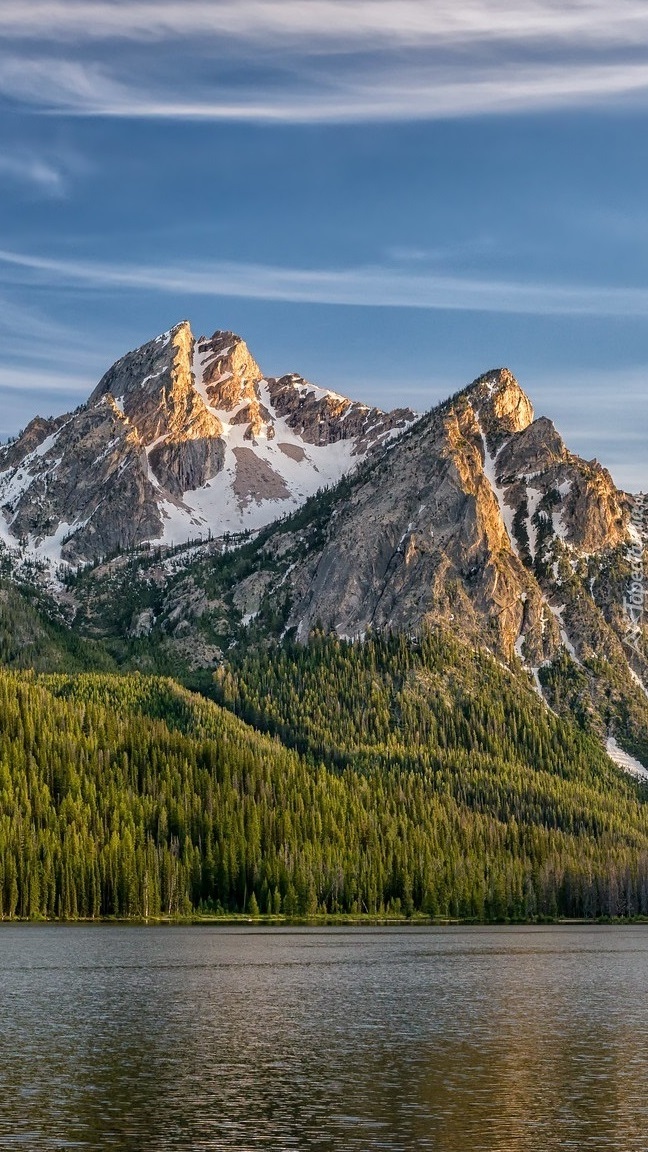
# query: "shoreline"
351 920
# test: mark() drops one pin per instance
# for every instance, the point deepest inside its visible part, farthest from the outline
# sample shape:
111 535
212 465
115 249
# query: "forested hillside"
405 702
395 777
31 636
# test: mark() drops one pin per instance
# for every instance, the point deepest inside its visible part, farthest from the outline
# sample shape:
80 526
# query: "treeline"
420 777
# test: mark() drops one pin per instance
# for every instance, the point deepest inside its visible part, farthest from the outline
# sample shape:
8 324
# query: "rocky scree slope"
182 438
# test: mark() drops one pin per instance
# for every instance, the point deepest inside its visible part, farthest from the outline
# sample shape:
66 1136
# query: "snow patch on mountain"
638 681
533 499
625 760
490 472
232 503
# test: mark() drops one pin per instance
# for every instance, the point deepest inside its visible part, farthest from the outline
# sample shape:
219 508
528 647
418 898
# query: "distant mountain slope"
180 439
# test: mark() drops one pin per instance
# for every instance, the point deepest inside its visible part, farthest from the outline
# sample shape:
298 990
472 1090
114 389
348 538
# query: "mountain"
181 439
474 518
477 520
418 655
462 523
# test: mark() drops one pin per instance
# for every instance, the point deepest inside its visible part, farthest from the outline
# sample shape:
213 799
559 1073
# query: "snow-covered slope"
182 438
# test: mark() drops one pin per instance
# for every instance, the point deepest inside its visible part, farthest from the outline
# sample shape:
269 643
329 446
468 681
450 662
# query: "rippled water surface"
462 1040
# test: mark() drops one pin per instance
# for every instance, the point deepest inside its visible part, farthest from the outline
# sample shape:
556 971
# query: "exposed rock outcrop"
321 417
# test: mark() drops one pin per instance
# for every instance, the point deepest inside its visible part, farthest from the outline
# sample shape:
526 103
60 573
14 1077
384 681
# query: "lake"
456 1039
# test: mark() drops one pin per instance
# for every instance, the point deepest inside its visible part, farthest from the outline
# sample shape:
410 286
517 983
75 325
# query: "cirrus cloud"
379 286
331 25
283 61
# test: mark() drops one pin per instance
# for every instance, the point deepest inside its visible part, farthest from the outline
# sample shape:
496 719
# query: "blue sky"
389 198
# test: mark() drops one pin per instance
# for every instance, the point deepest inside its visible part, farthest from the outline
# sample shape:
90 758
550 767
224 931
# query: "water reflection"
460 1039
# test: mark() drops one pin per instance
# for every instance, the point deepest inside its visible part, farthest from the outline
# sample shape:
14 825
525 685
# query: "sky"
388 198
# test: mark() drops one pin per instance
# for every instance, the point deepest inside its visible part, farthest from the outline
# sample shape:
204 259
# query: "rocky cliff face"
479 520
180 439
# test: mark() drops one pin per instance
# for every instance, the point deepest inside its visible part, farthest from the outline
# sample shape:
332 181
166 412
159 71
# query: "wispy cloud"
47 368
396 92
45 364
379 286
47 169
323 60
28 168
601 385
18 380
328 25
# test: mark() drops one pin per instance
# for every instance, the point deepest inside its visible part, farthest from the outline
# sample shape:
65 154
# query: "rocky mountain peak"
486 520
153 389
180 439
229 372
500 404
